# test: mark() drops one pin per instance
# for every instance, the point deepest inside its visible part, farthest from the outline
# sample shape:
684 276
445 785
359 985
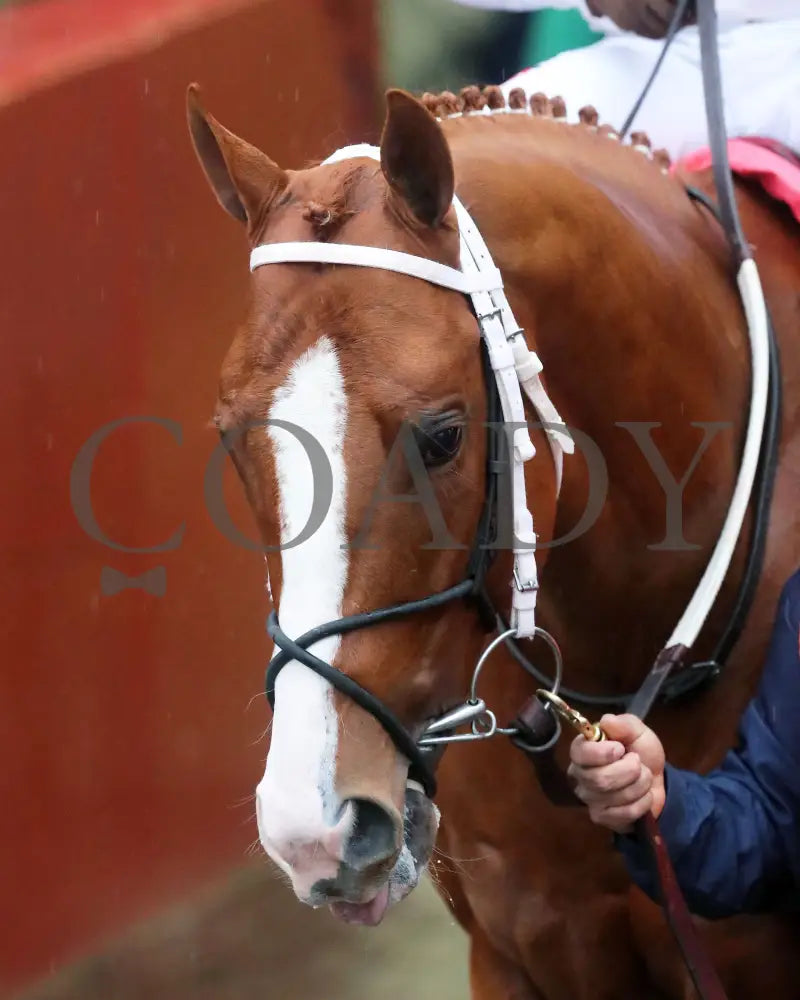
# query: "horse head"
334 378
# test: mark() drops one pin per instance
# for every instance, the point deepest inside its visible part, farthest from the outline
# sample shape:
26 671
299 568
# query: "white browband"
305 252
515 367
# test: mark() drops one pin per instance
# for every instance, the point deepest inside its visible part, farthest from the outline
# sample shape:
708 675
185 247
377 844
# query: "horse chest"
515 885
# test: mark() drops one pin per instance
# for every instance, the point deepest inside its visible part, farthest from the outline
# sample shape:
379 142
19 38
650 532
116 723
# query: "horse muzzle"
368 858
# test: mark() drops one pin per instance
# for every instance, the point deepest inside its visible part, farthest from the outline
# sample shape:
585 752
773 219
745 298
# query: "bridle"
474 710
472 587
511 369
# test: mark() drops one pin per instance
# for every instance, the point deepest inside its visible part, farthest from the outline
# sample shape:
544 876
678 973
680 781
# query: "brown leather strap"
704 975
669 659
537 735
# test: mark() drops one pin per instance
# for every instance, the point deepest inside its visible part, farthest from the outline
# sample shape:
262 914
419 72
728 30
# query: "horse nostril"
375 836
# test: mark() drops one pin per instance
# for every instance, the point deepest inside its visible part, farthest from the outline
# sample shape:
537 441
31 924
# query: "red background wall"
131 725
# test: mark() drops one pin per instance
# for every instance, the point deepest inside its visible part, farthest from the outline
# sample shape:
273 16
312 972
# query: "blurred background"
132 719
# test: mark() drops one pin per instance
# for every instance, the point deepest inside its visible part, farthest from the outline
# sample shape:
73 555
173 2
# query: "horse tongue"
367 914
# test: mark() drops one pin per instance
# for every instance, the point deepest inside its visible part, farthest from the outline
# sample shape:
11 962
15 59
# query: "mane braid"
474 100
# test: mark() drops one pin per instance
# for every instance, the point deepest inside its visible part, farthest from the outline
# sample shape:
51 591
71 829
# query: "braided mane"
473 100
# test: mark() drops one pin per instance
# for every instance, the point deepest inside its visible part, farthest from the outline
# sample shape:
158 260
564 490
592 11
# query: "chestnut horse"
624 287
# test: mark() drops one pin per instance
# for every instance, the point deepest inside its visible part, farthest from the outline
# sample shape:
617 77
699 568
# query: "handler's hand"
650 18
622 777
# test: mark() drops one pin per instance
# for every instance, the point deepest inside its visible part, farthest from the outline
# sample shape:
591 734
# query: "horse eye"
438 445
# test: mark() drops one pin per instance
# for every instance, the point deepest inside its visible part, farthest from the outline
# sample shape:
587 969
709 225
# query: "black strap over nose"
473 587
297 649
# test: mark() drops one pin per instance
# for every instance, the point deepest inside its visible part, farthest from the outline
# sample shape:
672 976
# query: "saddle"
774 165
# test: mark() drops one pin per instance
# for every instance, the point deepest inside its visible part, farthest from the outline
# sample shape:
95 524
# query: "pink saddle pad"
777 168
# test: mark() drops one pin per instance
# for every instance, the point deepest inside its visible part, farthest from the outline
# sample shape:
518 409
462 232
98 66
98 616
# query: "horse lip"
421 822
367 914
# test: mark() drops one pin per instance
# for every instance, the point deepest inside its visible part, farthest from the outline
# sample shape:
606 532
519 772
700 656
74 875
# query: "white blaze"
295 800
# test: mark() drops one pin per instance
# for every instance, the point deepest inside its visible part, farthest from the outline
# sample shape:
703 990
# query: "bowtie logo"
153 581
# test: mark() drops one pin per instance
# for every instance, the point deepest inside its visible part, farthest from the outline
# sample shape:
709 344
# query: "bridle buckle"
524 586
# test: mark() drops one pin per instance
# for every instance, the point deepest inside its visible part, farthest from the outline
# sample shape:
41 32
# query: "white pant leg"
760 73
610 76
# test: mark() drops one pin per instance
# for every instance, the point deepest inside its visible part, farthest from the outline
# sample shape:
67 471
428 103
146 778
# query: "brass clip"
589 730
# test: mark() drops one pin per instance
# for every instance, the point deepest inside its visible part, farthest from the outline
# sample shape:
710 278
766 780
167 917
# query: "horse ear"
415 158
244 179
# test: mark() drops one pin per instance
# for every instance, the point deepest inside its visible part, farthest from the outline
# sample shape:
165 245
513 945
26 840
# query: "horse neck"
621 286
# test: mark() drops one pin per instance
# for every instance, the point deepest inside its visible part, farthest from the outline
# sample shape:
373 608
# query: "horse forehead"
379 374
395 336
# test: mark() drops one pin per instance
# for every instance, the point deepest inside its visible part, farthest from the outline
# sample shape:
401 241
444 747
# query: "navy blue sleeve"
734 834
